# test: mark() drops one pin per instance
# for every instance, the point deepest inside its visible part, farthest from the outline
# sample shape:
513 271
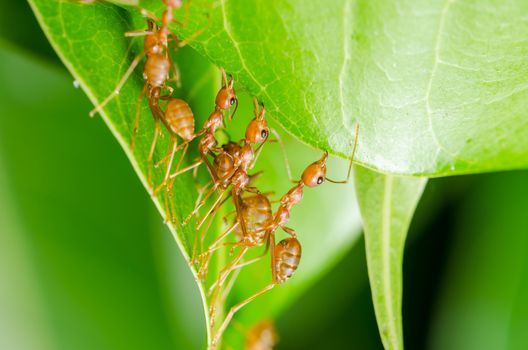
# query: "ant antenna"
351 160
284 154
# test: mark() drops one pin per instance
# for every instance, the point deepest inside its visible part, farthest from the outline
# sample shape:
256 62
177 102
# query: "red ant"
225 99
285 258
230 168
158 63
287 250
262 336
313 176
179 120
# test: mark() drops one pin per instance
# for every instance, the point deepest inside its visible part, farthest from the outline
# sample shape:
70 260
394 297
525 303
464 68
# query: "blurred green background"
85 262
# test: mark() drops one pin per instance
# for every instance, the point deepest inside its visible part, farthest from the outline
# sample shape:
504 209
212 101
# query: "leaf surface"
89 40
438 87
387 204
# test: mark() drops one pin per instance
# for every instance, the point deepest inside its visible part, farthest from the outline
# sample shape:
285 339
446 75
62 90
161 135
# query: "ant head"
315 173
257 130
226 97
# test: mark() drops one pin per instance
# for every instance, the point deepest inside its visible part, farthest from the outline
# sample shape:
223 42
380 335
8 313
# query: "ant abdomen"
223 163
287 258
180 119
257 214
156 71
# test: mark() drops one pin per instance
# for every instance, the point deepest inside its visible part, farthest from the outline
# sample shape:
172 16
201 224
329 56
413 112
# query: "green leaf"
387 204
438 87
482 303
89 40
77 268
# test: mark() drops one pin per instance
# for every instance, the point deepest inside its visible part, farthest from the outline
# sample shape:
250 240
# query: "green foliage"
438 87
79 237
90 41
387 204
482 301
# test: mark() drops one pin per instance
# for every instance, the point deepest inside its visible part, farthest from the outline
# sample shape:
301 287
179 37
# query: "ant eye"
232 101
264 133
320 180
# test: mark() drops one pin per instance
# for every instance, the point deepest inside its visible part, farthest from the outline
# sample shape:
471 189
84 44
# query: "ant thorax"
244 157
215 121
294 196
282 216
207 142
240 179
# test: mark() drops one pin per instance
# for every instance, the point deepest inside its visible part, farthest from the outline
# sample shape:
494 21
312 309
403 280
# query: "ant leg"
217 285
187 11
252 189
202 237
174 142
157 130
184 170
167 209
212 209
198 199
185 148
226 216
240 218
140 32
190 38
119 85
173 209
229 285
289 231
236 308
166 156
351 160
136 121
284 154
215 244
257 155
224 273
175 71
194 35
205 256
195 210
148 14
249 262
